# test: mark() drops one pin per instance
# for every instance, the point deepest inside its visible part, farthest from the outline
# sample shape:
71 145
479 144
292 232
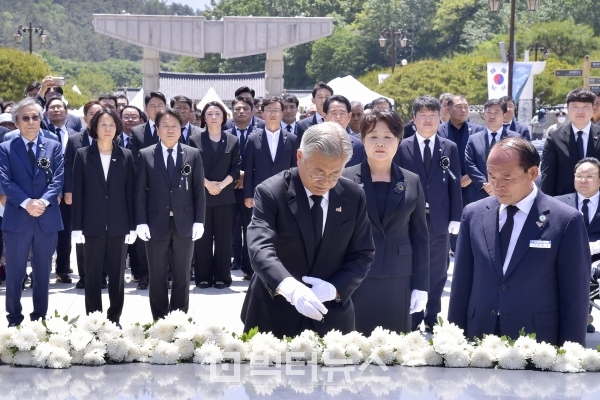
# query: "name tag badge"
540 244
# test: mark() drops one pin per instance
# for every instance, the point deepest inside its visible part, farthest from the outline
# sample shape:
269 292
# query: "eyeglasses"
272 111
587 177
27 118
155 106
320 177
130 117
337 114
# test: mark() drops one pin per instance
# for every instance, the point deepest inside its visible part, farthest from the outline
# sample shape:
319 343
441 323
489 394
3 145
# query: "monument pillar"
274 73
150 70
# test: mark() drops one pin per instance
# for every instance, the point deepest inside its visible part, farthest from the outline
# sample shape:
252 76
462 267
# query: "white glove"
453 227
301 297
595 247
197 231
78 237
130 239
324 291
143 232
418 301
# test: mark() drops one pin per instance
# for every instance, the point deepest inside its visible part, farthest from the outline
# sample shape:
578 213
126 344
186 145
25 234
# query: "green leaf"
74 320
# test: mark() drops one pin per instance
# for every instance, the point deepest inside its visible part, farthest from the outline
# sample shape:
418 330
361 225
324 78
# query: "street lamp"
532 5
545 52
19 35
392 35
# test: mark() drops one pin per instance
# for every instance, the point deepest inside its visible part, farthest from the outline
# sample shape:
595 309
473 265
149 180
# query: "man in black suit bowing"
145 135
435 160
308 223
169 209
569 144
479 145
320 93
185 106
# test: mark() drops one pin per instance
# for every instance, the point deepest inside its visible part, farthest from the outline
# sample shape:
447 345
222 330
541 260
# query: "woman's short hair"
93 131
213 104
391 119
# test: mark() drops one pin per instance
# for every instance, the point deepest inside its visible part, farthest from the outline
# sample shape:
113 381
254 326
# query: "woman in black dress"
398 280
221 160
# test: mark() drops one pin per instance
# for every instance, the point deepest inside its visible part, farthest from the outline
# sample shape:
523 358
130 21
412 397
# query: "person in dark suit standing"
358 115
131 116
522 257
268 151
398 281
290 110
103 216
221 161
320 93
479 145
566 146
308 226
31 175
169 210
145 135
435 160
255 122
338 109
585 199
185 106
510 123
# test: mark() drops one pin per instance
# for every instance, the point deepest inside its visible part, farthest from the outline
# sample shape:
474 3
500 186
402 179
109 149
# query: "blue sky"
195 4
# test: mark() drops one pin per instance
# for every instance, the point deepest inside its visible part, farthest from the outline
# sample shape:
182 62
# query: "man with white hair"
308 227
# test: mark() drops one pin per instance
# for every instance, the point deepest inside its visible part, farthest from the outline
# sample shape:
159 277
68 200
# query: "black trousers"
138 261
63 244
214 267
104 252
438 274
241 220
157 250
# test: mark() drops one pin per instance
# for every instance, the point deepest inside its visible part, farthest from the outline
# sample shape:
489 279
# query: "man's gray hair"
356 103
328 139
26 103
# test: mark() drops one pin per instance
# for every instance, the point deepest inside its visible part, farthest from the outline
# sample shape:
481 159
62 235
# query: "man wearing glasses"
310 241
569 144
145 135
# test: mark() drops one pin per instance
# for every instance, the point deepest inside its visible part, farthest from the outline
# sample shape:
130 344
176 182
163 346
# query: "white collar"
308 194
489 131
152 124
421 139
276 133
165 148
62 128
28 141
526 203
593 199
586 130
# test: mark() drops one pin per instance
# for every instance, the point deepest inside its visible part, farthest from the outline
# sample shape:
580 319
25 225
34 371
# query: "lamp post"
545 53
532 5
392 34
19 34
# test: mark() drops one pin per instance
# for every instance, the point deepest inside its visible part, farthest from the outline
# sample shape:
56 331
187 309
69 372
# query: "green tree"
18 69
92 83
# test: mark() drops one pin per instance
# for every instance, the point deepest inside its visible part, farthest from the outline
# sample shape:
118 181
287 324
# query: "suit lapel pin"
400 187
542 218
114 159
339 209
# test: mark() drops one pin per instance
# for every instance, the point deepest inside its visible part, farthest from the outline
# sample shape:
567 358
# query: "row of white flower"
93 340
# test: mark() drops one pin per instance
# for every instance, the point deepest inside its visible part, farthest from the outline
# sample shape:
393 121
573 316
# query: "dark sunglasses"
27 118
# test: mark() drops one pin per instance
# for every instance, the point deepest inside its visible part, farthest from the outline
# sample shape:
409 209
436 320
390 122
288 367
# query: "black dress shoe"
591 328
13 324
247 277
63 278
143 283
219 285
80 284
203 285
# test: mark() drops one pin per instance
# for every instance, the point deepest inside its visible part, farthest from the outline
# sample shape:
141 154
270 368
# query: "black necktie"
31 155
154 135
182 137
242 140
580 145
288 128
586 212
59 135
170 165
317 218
427 156
493 139
506 230
126 141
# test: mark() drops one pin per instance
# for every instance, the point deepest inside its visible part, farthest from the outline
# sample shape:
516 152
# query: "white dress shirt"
519 218
585 136
324 205
186 131
273 140
105 160
292 126
166 153
592 205
421 141
152 125
320 118
238 132
489 135
64 137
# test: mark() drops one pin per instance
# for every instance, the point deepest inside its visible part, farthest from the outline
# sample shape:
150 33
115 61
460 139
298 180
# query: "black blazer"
255 122
3 131
520 129
259 164
156 197
218 165
304 124
194 130
593 229
560 156
402 239
141 137
76 142
251 130
99 204
280 242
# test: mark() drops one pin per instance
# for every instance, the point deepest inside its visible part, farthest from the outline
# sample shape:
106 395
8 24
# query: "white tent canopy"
211 95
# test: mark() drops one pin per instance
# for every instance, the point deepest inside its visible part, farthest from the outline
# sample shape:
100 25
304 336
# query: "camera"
58 81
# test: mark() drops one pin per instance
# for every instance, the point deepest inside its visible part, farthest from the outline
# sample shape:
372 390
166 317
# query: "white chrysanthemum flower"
133 351
302 345
402 349
92 322
262 354
379 337
281 350
310 335
414 358
415 340
526 346
214 333
444 343
6 357
186 348
544 356
177 318
333 336
23 358
263 338
164 353
334 355
494 344
354 354
96 345
359 340
382 354
6 335
591 360
187 332
235 345
457 358
198 336
567 362
25 339
58 358
451 329
94 357
117 349
511 358
145 349
57 325
574 348
209 353
37 327
59 340
108 332
162 330
77 356
80 339
430 356
135 333
40 355
481 358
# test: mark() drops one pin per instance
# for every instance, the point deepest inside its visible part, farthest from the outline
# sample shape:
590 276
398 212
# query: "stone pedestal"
274 73
150 70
